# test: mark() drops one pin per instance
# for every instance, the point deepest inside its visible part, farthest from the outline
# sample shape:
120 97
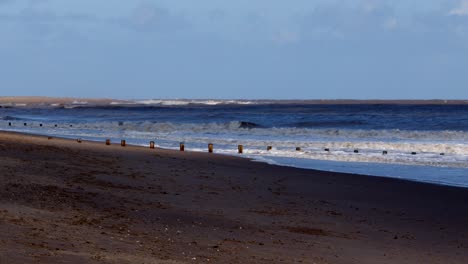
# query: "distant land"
57 101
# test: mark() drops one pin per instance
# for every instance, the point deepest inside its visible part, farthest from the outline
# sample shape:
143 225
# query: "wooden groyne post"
108 142
182 146
210 148
123 143
240 149
152 145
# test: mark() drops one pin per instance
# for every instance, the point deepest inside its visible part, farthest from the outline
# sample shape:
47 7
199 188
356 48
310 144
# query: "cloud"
148 17
461 10
336 21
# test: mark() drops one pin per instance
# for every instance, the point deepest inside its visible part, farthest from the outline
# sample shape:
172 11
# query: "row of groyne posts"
240 148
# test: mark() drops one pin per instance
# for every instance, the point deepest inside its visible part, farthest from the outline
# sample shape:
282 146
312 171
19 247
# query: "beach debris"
123 143
210 148
78 140
108 142
152 145
181 146
240 149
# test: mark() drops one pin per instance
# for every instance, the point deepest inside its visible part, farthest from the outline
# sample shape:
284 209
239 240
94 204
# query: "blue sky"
297 49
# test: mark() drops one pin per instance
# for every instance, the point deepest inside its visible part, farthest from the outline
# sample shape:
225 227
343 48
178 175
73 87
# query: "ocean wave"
257 130
432 148
9 118
313 124
183 102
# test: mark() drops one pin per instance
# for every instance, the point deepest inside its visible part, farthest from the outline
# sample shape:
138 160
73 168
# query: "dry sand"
66 202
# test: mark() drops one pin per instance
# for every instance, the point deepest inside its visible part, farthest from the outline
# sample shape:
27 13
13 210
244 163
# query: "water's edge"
412 173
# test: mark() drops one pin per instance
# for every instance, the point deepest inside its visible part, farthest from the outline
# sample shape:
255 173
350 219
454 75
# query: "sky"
243 49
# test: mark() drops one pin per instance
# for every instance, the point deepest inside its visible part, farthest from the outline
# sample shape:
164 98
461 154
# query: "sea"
417 142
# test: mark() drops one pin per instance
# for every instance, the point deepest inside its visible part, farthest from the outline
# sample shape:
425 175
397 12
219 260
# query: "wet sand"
67 202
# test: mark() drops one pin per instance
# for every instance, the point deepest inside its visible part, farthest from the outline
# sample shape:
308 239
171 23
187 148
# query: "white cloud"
461 10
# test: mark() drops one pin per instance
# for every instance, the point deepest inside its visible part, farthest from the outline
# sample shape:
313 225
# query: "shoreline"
253 159
66 202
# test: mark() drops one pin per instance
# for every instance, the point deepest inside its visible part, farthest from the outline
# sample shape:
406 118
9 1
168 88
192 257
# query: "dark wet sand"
66 202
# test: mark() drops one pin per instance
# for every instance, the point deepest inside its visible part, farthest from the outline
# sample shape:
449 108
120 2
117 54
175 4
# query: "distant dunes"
40 100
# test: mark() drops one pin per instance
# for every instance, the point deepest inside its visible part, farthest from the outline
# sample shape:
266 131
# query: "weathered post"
152 145
123 143
240 149
182 146
108 142
210 148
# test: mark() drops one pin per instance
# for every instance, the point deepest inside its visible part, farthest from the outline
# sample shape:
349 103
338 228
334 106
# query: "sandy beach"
67 202
34 101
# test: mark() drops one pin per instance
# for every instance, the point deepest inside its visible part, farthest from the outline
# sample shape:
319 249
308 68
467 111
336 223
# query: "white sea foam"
79 102
183 102
286 136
